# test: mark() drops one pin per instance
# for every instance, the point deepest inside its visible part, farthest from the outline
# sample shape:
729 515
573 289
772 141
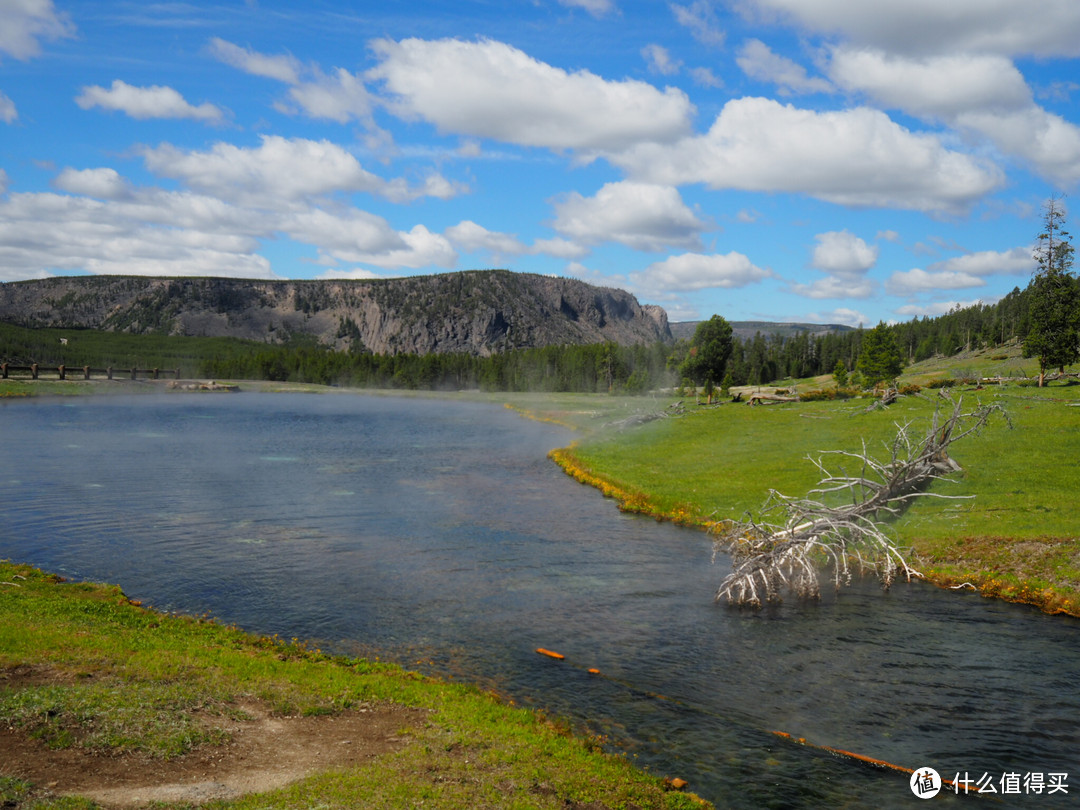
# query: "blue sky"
789 160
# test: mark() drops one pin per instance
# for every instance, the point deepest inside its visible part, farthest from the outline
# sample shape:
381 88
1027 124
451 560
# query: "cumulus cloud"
931 86
931 26
638 215
856 157
146 102
421 248
279 171
473 238
1015 261
845 260
982 95
8 113
46 233
696 271
917 280
26 22
102 184
492 90
759 62
843 253
340 96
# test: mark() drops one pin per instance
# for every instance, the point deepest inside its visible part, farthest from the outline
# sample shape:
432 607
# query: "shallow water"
438 535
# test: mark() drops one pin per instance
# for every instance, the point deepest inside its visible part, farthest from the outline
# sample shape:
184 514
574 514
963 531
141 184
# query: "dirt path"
264 752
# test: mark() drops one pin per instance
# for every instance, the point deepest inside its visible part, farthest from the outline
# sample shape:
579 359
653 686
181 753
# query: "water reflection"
437 534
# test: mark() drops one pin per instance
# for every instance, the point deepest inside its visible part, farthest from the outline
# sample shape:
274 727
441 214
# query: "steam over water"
438 535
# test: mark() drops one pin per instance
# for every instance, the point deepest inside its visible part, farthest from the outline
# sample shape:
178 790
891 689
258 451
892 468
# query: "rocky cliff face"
478 312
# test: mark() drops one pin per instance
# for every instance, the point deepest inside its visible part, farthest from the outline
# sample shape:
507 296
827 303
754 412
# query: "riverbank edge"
573 770
989 583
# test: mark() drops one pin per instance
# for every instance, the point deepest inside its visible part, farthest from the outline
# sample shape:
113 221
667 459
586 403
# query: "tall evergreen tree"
1054 308
880 358
710 349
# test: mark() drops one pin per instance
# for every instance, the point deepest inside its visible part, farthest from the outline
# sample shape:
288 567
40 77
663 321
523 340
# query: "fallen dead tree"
841 522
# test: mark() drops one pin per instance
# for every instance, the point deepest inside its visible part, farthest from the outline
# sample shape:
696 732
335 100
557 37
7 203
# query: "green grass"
128 679
1019 482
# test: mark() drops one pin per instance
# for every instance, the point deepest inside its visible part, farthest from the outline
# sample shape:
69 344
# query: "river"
435 533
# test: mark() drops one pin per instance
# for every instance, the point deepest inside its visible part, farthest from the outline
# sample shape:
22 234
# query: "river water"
437 534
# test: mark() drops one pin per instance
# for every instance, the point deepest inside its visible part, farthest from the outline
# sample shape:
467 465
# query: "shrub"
909 389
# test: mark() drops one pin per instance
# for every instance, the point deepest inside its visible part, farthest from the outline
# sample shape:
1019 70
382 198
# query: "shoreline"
941 574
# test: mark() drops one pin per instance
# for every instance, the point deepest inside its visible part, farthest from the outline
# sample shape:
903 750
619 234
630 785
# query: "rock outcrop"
478 312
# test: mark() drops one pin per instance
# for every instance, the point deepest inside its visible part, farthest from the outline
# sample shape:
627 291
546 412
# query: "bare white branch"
769 558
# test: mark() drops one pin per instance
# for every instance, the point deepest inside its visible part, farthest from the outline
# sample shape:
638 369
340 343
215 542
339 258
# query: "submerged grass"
123 678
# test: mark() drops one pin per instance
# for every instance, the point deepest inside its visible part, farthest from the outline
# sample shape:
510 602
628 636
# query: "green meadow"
114 679
1010 529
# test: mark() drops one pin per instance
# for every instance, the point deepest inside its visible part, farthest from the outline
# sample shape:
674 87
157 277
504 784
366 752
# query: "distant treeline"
765 358
591 368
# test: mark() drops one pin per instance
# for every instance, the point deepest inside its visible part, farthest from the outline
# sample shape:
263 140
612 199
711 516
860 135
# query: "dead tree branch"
840 523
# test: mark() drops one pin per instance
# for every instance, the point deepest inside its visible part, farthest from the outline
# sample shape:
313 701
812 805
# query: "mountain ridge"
479 312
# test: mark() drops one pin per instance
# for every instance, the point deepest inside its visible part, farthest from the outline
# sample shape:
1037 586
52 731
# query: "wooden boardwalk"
86 372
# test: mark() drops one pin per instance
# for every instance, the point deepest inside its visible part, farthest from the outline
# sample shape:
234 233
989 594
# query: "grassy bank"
1015 536
89 672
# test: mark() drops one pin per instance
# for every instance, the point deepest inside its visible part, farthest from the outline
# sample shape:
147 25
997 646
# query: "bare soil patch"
264 752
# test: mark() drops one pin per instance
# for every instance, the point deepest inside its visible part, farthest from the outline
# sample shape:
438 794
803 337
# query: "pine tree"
1054 309
880 358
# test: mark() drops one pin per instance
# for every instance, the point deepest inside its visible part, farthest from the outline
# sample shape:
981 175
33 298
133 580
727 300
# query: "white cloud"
560 248
102 184
492 90
279 171
933 86
845 259
1015 261
24 22
935 309
357 274
8 113
700 18
888 236
638 215
339 97
3 181
145 102
704 77
841 315
697 271
422 249
759 62
1047 141
283 68
42 233
659 60
597 8
933 26
345 235
843 253
856 157
472 238
917 280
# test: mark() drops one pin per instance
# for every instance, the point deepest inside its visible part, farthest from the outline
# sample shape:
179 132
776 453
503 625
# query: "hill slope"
477 312
747 329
